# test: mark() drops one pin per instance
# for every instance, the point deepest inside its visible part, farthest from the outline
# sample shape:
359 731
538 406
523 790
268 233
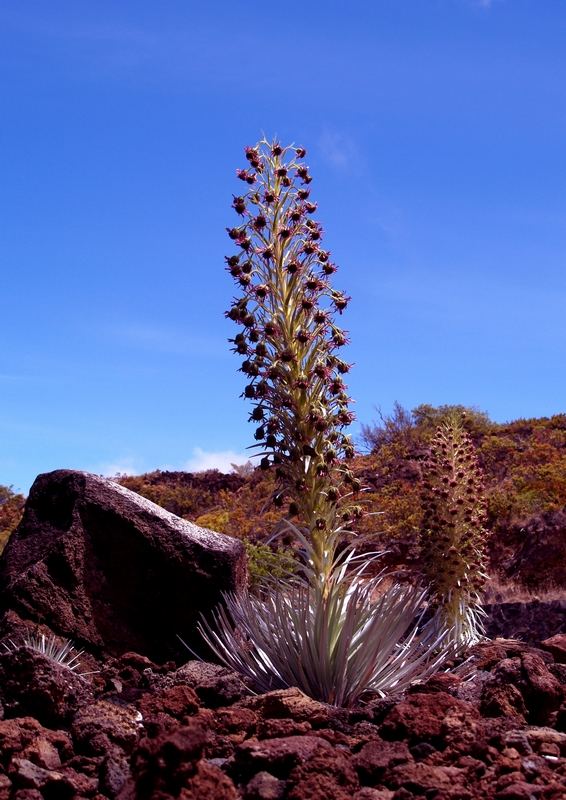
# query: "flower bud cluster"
453 538
289 339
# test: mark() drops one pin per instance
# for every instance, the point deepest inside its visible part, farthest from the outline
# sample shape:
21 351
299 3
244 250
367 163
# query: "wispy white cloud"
199 461
214 459
339 150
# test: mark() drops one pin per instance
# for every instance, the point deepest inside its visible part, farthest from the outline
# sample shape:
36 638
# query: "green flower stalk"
453 537
289 342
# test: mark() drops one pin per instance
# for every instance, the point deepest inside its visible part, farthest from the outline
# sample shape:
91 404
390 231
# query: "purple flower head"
245 175
244 242
336 386
239 204
303 173
313 283
250 368
234 314
272 425
252 154
287 356
340 301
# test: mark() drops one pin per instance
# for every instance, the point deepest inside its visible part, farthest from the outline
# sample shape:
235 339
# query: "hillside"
524 462
525 468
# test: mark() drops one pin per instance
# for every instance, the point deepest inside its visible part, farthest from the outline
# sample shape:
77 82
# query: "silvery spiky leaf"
330 638
64 654
461 620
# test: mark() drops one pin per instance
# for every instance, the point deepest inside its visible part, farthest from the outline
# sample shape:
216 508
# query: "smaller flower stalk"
453 537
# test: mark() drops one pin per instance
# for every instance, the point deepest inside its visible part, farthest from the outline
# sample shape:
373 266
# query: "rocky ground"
131 727
139 730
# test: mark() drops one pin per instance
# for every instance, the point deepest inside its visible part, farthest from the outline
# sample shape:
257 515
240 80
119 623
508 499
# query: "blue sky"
436 137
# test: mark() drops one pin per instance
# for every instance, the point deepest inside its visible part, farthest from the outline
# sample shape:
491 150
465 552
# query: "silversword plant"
64 653
318 628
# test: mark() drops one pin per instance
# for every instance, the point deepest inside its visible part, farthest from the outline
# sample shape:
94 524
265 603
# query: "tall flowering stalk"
453 537
290 342
320 628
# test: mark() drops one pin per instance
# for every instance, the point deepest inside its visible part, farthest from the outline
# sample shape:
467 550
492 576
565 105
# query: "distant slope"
524 462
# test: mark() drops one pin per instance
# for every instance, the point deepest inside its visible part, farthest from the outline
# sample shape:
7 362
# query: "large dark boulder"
107 568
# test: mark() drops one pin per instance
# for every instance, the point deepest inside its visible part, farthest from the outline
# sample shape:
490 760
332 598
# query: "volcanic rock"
109 569
426 717
33 685
556 645
171 765
103 727
213 684
277 756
